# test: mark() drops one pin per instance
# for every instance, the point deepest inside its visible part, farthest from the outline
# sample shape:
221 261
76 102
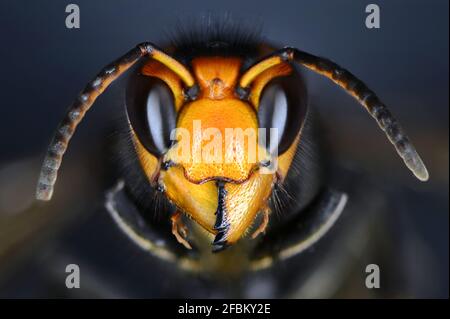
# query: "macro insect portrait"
247 154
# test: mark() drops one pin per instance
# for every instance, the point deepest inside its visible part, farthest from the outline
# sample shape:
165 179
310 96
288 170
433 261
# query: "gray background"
44 66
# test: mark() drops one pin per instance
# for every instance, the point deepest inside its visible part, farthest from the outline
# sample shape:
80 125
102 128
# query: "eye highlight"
272 113
151 111
282 107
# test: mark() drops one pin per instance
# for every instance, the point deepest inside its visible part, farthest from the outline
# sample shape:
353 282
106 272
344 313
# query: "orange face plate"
190 182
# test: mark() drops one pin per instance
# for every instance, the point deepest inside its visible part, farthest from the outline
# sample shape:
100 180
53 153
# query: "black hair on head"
216 36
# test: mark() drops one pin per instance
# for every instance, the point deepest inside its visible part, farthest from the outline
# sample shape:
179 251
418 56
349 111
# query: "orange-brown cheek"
198 201
244 201
149 163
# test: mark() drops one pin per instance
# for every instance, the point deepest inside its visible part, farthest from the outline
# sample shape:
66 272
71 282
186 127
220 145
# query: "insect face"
213 164
196 125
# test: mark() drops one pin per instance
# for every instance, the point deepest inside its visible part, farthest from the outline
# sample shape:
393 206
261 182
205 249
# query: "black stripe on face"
221 225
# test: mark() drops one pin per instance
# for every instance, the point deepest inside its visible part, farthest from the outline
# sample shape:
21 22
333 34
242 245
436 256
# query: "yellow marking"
149 163
323 229
244 201
265 77
175 66
197 201
159 70
262 263
259 68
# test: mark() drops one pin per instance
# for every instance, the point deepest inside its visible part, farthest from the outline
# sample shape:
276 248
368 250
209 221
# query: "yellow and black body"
195 110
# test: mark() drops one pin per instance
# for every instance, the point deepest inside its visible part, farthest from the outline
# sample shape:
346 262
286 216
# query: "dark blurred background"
44 66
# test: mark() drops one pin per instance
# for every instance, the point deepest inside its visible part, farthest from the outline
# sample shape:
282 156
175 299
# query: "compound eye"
281 113
151 111
272 114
